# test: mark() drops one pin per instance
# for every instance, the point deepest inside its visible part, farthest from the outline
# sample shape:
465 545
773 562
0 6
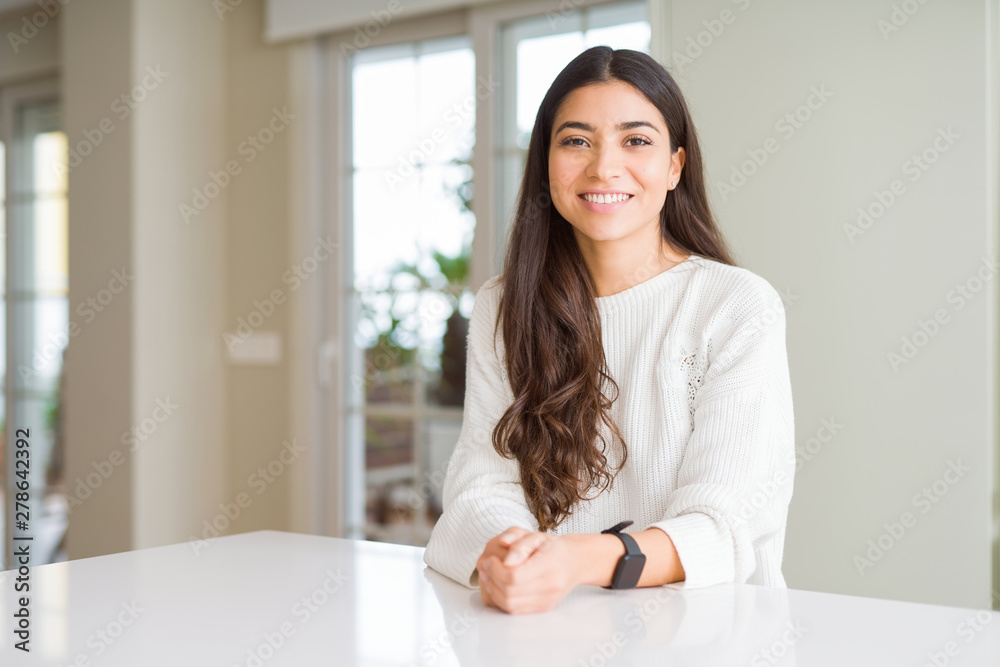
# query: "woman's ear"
677 163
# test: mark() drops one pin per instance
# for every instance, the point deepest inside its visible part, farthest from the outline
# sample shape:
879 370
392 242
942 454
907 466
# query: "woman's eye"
643 141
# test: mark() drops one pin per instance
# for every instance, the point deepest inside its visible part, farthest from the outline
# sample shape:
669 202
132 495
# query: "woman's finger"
511 535
522 549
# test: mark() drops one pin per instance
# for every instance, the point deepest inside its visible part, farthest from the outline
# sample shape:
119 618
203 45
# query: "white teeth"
606 199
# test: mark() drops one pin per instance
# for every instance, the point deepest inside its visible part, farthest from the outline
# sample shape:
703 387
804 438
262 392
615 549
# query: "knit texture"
705 408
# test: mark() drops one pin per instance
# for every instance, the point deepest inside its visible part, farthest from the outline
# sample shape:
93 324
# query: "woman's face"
609 140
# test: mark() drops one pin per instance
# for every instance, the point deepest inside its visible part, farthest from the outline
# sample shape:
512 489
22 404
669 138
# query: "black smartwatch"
630 565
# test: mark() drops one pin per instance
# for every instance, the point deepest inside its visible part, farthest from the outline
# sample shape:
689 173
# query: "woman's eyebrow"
627 125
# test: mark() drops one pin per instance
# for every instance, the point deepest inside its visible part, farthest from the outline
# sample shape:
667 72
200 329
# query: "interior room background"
243 239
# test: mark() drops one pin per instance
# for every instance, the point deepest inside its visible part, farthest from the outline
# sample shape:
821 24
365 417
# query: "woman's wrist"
596 557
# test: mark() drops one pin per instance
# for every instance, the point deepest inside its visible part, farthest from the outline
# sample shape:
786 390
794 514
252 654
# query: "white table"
333 602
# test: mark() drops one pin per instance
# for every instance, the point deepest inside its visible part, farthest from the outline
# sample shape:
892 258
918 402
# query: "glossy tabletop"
271 598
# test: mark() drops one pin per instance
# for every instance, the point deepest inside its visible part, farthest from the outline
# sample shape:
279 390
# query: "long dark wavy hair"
551 326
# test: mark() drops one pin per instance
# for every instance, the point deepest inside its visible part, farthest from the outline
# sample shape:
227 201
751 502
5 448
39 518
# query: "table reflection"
593 627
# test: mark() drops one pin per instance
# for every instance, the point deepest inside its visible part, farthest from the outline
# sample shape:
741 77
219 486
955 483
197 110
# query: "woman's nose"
605 163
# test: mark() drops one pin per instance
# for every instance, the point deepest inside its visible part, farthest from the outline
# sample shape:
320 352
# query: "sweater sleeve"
482 494
735 479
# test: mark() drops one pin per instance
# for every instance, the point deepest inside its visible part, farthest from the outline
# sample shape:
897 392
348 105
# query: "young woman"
641 375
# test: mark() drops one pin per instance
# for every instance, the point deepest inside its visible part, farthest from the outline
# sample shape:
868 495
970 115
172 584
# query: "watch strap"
632 559
631 546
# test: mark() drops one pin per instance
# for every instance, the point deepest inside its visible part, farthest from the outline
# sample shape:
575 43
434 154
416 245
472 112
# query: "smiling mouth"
605 199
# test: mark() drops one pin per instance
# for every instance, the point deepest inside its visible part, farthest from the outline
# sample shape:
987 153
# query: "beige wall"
257 245
162 339
871 436
100 360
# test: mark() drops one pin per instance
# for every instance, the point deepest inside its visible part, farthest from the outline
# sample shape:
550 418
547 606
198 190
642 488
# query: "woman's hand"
498 547
522 572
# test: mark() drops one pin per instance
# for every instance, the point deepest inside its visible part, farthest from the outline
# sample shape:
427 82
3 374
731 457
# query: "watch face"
628 570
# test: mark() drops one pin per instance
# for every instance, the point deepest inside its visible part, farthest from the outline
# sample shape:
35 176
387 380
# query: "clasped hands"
524 572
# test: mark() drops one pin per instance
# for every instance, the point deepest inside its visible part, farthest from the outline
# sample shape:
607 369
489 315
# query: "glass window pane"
51 326
51 244
539 61
443 349
388 362
49 149
3 220
413 228
36 307
446 224
386 226
447 101
3 339
3 368
384 112
388 443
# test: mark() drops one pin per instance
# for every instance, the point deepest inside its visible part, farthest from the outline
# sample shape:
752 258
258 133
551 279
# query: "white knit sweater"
705 408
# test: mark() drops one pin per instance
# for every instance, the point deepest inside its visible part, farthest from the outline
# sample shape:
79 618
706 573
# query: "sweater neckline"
639 292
